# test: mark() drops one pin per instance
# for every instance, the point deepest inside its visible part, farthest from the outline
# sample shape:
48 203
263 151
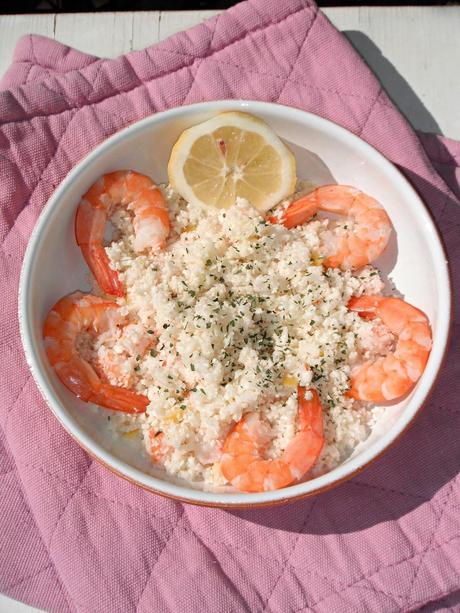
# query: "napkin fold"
74 537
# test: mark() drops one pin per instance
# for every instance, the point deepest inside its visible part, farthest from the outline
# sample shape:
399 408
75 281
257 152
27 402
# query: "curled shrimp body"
358 245
242 462
138 194
69 317
392 376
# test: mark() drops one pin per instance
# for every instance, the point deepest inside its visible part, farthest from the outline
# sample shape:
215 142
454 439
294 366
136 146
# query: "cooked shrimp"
151 221
157 447
242 462
392 376
69 317
362 242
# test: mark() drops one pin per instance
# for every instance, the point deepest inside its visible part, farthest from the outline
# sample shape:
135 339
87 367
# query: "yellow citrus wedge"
232 155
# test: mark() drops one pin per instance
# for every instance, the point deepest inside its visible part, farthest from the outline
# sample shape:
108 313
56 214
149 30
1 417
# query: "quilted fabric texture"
74 537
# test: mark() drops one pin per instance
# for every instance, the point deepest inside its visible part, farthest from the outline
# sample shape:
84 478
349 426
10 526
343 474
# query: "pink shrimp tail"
365 306
298 212
120 399
99 264
305 448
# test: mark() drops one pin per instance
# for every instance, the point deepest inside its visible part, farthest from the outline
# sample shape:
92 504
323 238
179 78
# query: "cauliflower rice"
230 317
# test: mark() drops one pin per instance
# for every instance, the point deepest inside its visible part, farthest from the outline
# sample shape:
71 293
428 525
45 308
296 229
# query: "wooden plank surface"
7 605
415 51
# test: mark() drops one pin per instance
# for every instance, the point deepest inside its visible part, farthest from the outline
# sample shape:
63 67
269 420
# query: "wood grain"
414 51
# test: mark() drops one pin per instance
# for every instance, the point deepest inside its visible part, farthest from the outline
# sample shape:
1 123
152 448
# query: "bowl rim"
181 493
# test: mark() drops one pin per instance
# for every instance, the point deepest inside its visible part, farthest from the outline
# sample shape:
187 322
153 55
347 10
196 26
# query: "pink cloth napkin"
73 536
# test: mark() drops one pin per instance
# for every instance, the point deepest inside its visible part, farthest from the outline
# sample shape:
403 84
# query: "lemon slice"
232 155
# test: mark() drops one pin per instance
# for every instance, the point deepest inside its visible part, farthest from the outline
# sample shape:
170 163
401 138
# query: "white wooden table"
415 52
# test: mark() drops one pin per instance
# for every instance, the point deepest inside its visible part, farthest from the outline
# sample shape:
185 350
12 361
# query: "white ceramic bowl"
325 152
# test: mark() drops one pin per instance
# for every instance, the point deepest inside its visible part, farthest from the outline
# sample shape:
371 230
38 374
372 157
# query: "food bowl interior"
414 264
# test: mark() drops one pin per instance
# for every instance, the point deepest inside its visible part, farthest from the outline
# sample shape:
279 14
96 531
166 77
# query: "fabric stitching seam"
370 111
393 565
427 548
53 70
285 565
211 58
216 21
241 38
149 576
309 29
5 425
26 78
61 514
387 489
168 73
227 546
64 592
29 376
7 588
41 177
